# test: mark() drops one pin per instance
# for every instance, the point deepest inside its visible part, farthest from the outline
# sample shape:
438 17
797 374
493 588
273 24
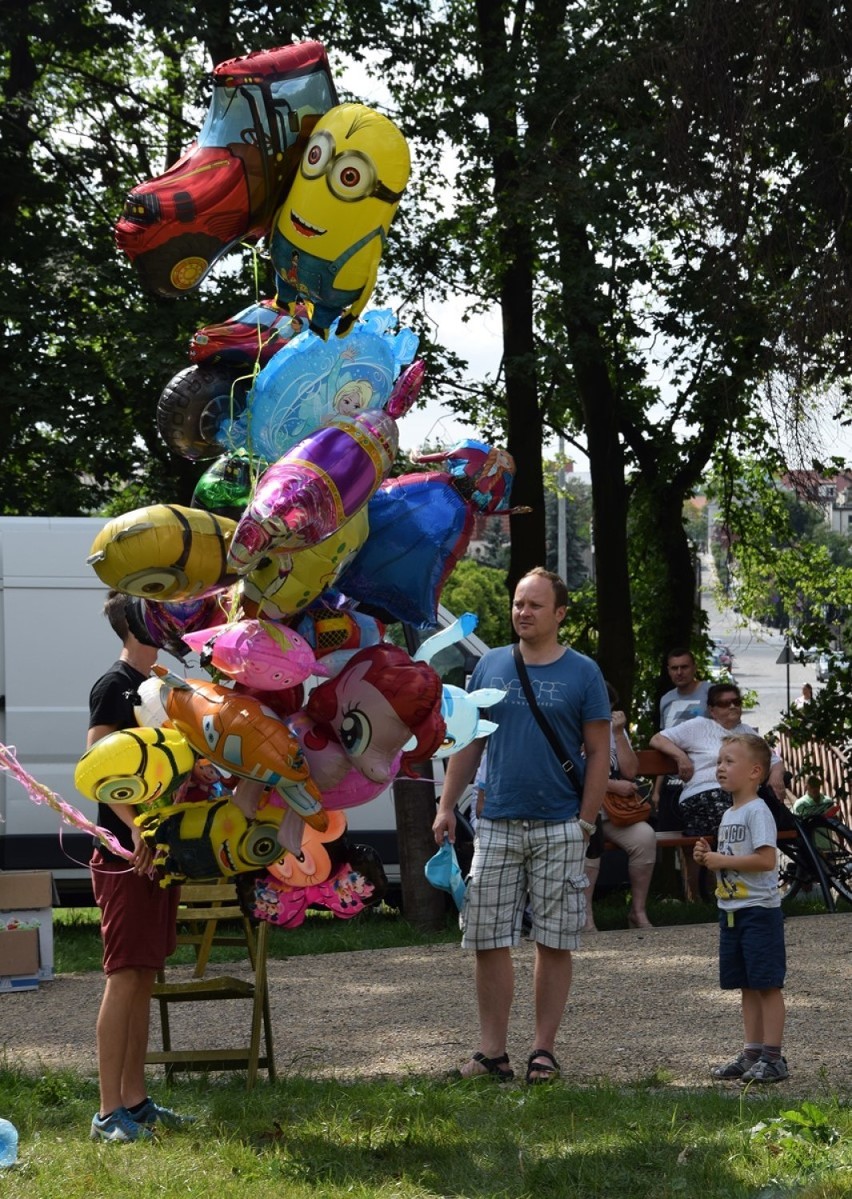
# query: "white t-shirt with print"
743 831
676 708
700 739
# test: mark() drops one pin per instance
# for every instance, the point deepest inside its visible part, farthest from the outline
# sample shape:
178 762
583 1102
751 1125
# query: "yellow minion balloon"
211 840
134 766
288 583
332 227
165 552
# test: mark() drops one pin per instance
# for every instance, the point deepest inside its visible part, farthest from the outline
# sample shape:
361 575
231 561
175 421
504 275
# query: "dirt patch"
644 1005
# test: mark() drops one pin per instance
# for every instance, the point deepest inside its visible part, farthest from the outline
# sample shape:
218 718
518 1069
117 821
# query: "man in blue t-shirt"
535 824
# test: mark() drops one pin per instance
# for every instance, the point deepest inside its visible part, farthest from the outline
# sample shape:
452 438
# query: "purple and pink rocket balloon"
317 485
257 653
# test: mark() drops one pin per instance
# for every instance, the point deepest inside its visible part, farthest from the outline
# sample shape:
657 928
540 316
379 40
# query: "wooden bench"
653 763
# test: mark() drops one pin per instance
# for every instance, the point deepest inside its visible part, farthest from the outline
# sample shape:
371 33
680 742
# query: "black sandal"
550 1069
492 1066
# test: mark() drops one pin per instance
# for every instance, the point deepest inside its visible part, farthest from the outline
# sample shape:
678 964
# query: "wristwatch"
586 826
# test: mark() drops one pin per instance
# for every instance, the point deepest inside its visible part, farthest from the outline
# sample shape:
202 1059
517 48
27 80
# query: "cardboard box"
27 898
19 951
25 889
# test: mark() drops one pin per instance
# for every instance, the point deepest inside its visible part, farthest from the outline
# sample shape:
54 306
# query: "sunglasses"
728 703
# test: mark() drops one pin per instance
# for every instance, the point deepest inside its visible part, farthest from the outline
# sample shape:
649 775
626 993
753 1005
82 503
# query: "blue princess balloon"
310 380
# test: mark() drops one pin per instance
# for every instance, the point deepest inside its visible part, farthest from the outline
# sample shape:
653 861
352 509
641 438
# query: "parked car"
804 653
828 663
722 655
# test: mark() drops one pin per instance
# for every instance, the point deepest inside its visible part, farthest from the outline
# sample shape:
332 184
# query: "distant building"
833 493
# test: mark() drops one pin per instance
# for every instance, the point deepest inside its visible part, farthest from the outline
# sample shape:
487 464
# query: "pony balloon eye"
355 732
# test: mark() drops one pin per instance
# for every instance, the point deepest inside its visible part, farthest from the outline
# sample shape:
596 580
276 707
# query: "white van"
54 643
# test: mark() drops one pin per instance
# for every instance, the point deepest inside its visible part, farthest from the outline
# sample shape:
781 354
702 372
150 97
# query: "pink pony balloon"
257 653
375 706
341 784
317 485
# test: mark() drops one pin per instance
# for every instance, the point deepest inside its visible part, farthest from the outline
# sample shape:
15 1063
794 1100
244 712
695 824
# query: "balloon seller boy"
137 917
751 924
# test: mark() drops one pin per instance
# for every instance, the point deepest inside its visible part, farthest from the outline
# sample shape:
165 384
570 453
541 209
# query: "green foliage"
480 589
807 1124
784 568
647 192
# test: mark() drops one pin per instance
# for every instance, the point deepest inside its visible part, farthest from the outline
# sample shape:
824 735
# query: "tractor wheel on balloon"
193 405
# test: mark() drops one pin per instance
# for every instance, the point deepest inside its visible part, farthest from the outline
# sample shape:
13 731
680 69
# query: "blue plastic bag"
443 871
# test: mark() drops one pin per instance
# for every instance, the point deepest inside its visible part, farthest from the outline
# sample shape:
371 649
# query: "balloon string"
88 865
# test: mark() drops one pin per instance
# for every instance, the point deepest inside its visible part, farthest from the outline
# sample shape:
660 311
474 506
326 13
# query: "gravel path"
642 1002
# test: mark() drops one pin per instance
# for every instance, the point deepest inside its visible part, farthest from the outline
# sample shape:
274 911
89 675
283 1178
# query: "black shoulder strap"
565 759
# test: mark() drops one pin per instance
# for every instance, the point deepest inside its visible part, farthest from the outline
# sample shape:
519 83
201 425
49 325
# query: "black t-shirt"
111 703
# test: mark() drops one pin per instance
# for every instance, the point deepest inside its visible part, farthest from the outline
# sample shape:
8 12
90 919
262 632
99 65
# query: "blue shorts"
752 953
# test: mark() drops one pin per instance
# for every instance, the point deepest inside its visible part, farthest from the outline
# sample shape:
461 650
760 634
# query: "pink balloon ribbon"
40 794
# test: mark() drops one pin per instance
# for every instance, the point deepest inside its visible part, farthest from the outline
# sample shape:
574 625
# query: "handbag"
623 810
565 759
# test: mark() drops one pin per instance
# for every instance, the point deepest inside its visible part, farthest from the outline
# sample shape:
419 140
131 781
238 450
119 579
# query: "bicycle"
820 855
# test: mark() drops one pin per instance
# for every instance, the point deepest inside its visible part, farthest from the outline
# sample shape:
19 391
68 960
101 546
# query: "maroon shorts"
137 916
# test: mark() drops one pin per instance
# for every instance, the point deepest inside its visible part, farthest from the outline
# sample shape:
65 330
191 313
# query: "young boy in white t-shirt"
751 938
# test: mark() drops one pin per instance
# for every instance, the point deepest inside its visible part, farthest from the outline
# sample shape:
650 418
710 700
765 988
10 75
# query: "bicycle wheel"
792 877
801 868
833 842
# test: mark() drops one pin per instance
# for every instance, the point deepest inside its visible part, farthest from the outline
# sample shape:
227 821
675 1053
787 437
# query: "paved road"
756 668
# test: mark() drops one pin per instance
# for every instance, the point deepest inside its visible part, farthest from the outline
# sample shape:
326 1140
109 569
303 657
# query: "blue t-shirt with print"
525 778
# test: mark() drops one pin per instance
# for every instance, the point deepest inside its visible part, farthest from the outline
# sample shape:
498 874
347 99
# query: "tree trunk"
423 905
675 616
517 256
578 278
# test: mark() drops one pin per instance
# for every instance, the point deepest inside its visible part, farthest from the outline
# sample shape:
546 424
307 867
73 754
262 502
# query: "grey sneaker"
735 1069
765 1071
119 1126
152 1114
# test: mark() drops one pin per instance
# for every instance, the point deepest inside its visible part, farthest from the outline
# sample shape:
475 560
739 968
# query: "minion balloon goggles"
350 175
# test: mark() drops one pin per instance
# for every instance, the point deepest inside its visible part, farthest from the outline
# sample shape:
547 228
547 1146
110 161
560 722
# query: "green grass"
425 1138
77 944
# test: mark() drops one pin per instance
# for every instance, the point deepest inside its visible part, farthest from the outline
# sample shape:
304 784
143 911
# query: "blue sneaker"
119 1126
152 1114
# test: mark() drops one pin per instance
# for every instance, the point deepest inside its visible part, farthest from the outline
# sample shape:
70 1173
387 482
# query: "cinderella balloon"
310 380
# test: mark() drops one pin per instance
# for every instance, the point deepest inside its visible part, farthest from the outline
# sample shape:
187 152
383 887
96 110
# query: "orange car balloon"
242 736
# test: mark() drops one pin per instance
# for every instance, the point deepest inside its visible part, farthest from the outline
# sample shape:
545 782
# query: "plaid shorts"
513 858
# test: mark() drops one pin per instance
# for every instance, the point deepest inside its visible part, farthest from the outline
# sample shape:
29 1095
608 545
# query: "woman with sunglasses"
694 745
